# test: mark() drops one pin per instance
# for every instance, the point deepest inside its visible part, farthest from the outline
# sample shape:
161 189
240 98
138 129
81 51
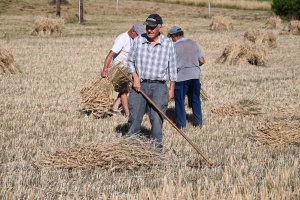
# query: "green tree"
289 9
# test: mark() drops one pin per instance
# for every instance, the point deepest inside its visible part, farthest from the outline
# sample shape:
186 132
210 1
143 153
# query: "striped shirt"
153 63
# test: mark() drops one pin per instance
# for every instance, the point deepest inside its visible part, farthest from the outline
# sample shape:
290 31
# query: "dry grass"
39 111
242 54
242 108
241 4
260 37
282 129
221 23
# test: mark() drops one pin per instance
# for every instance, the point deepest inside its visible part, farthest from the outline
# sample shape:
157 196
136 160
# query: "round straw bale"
220 23
241 54
272 23
46 27
7 62
260 37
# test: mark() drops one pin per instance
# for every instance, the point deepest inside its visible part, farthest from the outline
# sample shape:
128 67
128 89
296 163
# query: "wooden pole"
209 10
117 6
208 162
80 11
57 8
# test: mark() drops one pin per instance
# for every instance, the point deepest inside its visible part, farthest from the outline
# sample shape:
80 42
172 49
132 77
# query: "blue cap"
174 30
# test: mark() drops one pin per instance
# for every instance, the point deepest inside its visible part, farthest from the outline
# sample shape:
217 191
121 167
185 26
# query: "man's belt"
152 81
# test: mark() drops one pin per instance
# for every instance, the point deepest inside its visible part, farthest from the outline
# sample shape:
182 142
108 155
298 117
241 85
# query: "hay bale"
260 37
220 23
282 129
7 62
272 23
238 54
46 27
242 108
120 154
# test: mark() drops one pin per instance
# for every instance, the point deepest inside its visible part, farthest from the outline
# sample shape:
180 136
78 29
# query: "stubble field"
40 110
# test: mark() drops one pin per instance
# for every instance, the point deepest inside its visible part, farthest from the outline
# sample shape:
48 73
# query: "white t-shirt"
121 47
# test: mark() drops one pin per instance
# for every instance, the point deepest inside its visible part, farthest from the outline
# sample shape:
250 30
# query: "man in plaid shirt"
151 62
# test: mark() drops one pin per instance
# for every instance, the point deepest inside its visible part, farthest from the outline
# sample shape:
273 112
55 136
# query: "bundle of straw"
272 22
260 37
7 62
122 153
220 23
48 27
241 54
97 97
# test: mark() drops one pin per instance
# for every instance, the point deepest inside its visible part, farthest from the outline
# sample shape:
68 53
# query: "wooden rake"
208 162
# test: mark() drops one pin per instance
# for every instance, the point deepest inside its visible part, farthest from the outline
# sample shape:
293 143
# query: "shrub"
287 8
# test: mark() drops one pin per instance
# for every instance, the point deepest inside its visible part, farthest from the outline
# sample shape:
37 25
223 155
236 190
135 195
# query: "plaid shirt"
153 63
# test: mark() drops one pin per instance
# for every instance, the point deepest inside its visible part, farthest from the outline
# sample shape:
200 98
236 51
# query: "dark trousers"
192 86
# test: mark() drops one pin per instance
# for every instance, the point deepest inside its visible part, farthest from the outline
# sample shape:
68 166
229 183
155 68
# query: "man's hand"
171 90
104 73
171 95
136 82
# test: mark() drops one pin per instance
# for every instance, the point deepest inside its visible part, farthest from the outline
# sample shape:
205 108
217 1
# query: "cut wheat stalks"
293 28
242 108
220 23
97 96
116 77
272 23
122 153
243 54
260 37
283 129
46 27
7 62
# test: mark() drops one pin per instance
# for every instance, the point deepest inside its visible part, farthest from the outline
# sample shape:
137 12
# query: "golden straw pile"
97 97
220 23
123 153
236 54
272 23
48 27
260 37
284 129
293 28
7 62
245 107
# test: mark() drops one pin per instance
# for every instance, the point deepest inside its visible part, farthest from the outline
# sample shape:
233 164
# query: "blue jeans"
192 86
138 105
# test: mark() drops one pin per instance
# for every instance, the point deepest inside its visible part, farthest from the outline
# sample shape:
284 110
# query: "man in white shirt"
119 53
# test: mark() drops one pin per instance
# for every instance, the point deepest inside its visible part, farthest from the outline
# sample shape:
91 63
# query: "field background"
39 108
